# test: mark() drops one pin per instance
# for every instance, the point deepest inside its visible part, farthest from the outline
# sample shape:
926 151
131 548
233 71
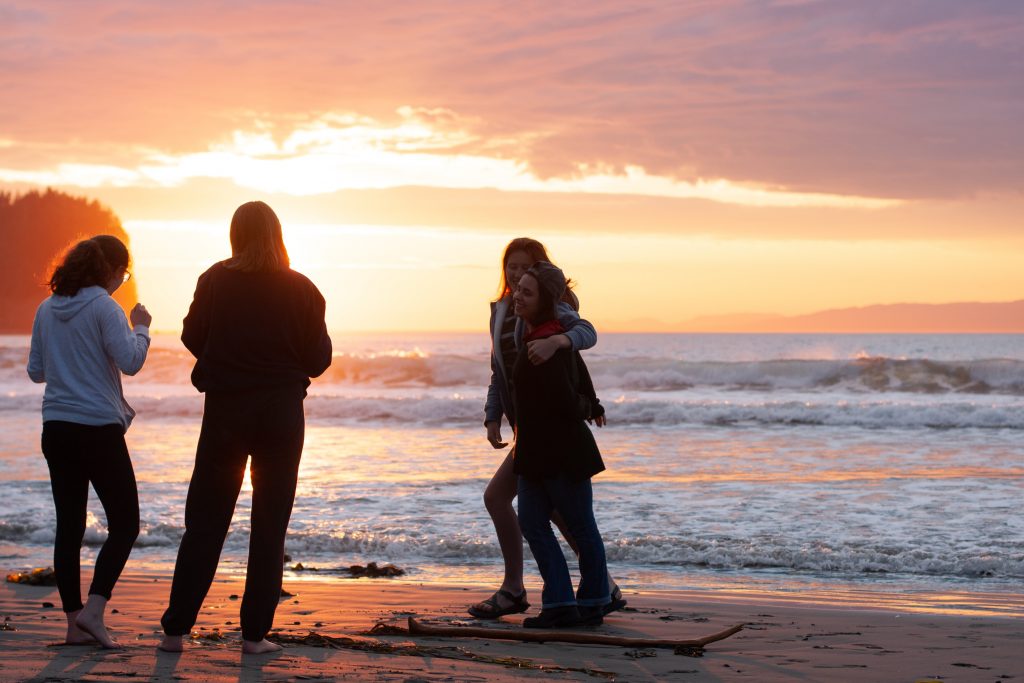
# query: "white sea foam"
827 456
623 371
653 383
409 546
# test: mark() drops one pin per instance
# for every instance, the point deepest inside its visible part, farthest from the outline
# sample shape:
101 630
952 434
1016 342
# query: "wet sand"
785 639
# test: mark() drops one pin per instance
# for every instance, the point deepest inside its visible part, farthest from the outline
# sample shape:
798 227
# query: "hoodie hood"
67 307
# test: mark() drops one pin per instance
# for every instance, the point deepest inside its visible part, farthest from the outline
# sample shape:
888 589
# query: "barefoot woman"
257 330
81 343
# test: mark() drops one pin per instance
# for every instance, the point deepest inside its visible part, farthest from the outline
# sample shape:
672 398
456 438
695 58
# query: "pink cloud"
875 98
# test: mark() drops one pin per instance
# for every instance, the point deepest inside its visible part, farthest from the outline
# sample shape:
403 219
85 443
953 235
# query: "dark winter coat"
552 402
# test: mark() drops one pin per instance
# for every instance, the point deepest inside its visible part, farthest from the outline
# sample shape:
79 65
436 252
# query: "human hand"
600 420
494 435
540 351
140 316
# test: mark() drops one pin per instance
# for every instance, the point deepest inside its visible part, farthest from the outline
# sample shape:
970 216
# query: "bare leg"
75 635
498 497
90 620
250 647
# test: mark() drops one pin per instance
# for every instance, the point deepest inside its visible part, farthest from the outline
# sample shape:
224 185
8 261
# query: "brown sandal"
518 605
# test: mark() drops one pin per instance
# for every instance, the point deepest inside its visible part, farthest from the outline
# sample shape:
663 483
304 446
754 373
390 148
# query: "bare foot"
92 624
250 647
84 639
171 644
90 620
75 635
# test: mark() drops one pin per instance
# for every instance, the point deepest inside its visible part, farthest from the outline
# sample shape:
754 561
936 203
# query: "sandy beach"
783 640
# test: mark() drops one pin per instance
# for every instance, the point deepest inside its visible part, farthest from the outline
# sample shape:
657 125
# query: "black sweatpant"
78 454
268 425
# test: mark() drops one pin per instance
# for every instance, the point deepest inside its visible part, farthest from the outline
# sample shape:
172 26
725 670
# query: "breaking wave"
958 412
328 549
417 369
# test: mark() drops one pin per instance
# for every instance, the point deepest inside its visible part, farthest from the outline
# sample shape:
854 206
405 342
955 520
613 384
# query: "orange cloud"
871 99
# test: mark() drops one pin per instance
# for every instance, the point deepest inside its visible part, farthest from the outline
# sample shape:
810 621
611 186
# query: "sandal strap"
492 601
514 599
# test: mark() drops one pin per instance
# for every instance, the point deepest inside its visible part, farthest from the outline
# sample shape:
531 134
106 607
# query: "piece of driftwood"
419 629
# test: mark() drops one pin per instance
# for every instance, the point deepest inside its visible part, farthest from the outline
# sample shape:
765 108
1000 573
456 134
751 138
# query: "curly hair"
90 263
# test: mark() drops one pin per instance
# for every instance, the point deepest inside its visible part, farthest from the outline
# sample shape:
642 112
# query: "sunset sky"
679 159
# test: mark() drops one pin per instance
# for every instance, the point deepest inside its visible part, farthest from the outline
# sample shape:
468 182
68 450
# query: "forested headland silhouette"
35 228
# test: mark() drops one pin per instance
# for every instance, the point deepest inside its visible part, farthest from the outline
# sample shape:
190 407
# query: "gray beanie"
550 277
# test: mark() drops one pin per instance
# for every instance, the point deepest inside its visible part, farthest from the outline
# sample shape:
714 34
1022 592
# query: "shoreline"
980 597
786 638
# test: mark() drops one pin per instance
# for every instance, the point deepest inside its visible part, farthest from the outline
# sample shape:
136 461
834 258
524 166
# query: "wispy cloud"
424 148
921 98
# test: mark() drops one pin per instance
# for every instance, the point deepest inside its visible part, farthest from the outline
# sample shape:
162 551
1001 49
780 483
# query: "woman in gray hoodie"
81 343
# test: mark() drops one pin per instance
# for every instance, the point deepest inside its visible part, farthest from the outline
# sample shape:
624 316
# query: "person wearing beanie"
552 280
507 331
555 458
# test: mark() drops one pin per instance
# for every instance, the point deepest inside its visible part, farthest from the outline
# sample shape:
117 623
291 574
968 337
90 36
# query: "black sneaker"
591 616
617 603
556 617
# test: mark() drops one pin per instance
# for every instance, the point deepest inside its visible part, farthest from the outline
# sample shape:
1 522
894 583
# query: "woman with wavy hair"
257 330
506 338
81 343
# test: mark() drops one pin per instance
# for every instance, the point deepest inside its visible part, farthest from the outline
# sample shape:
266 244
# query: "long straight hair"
256 240
536 251
89 263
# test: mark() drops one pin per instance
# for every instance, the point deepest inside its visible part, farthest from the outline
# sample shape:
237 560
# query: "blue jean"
575 501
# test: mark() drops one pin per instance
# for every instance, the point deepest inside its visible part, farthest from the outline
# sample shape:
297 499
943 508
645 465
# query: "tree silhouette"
36 228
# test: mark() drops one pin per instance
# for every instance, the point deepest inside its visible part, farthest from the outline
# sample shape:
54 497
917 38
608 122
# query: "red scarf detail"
548 329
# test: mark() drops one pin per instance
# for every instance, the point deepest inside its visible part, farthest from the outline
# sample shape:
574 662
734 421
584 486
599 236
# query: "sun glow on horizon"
424 147
394 278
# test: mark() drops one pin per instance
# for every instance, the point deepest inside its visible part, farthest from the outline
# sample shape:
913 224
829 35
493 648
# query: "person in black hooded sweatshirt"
257 330
555 458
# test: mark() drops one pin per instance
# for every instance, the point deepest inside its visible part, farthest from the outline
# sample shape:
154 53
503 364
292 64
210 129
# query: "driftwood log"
419 629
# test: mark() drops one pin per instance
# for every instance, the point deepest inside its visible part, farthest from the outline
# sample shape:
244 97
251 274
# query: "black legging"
269 425
78 454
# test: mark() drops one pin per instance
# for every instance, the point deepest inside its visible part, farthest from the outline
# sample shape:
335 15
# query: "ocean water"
862 468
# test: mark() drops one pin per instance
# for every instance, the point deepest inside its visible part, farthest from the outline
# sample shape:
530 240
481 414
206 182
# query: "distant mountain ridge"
952 318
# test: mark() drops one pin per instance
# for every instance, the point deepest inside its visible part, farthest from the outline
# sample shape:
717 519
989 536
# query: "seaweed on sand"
37 577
